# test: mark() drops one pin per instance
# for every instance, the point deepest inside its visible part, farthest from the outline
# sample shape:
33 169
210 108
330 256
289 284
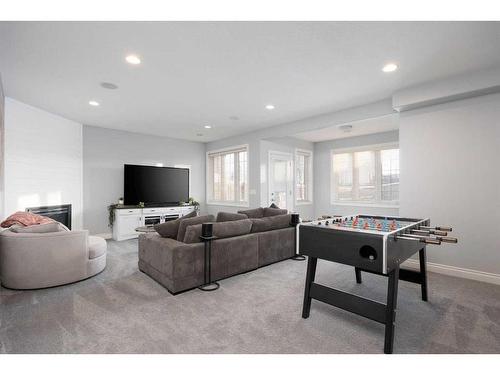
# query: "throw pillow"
41 228
270 223
192 221
220 230
171 228
253 213
268 211
25 219
230 216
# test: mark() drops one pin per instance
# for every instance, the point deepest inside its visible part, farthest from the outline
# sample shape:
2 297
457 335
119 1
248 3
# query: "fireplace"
60 213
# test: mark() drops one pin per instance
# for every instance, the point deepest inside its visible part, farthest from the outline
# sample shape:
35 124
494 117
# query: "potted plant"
111 214
195 204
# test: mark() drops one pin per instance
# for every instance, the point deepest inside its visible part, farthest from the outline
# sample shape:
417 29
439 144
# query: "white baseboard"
106 236
464 273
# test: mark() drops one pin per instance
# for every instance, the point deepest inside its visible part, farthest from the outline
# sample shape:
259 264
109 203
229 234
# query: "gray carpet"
124 311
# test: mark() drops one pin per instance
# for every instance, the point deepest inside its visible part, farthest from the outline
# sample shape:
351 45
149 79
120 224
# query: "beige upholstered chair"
40 260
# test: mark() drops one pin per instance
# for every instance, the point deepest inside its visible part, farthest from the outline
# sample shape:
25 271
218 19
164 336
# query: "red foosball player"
393 225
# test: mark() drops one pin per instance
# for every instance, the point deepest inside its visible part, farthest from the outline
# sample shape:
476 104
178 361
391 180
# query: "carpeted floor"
124 311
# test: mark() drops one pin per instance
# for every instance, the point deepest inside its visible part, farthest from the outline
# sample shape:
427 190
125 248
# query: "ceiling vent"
108 85
346 128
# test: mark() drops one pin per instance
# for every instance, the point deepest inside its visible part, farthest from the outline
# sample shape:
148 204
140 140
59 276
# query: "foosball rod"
427 240
429 231
446 229
442 239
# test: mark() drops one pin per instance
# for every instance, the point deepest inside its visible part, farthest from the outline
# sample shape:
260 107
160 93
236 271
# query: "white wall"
43 160
2 148
449 172
322 175
105 151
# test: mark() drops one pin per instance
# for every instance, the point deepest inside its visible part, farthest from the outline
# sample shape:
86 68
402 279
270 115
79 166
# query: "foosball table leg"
311 273
358 275
390 312
423 273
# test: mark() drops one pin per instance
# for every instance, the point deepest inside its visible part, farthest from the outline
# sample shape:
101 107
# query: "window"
227 176
303 176
366 176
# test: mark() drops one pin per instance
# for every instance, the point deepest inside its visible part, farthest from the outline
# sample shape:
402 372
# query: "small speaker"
295 220
207 229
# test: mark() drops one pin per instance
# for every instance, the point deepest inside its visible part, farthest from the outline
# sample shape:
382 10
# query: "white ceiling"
369 126
198 73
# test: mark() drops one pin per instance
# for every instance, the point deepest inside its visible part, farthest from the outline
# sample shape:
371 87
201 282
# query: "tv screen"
155 185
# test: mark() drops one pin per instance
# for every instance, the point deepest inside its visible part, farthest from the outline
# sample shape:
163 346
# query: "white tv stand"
128 219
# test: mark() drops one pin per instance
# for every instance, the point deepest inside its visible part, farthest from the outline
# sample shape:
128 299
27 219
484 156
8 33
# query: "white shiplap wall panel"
43 160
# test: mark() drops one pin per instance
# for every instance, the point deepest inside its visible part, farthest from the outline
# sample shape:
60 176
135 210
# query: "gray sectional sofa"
246 241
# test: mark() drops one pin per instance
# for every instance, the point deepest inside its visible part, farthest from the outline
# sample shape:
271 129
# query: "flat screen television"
155 185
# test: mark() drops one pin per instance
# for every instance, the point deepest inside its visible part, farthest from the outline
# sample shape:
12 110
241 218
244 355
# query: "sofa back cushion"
253 213
220 230
230 216
265 224
40 228
171 228
192 221
268 211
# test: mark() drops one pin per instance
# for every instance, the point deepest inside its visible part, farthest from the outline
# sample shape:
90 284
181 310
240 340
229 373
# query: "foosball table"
375 244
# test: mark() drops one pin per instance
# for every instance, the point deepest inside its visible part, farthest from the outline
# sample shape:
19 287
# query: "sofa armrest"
35 260
171 257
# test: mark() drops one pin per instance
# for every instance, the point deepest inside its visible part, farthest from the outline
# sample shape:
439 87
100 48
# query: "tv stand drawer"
153 210
128 211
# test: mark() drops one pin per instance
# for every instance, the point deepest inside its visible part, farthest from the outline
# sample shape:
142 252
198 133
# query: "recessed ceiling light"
270 107
159 164
391 67
208 126
94 103
133 59
108 85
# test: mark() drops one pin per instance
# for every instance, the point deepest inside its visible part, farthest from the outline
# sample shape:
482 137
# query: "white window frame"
375 147
211 202
309 178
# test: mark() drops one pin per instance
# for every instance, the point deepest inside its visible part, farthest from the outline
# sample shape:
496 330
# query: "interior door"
280 180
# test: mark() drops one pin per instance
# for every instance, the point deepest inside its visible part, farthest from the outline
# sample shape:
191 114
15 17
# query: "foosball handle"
431 241
448 239
446 229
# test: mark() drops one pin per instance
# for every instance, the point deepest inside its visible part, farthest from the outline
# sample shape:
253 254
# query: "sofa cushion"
230 216
268 211
276 245
40 228
220 230
253 213
97 247
270 223
192 221
25 219
171 228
